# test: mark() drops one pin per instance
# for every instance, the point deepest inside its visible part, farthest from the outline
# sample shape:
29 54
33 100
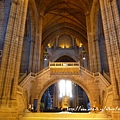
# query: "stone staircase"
65 116
25 77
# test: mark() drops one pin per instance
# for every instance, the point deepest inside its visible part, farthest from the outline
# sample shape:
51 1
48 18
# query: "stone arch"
65 28
67 53
65 58
77 81
33 17
65 40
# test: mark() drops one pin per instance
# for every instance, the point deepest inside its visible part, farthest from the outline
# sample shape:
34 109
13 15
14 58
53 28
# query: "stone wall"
21 101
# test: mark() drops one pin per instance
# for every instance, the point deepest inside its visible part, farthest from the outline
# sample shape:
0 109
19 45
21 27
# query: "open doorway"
64 96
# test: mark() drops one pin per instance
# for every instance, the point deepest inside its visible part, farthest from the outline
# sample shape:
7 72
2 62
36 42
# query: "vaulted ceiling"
64 17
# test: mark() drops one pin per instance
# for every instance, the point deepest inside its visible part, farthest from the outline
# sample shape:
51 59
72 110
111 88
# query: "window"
65 88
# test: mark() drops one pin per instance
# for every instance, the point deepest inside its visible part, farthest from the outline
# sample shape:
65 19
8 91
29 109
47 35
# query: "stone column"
55 45
112 18
94 56
34 41
57 42
35 65
20 35
38 51
38 105
6 73
112 45
11 58
89 40
116 18
38 44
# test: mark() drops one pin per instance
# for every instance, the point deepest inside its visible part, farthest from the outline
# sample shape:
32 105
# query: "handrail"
105 80
33 74
102 77
66 64
86 70
22 77
25 79
19 89
106 76
25 75
41 71
109 89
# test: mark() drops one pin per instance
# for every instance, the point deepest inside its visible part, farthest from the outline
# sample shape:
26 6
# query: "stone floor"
65 116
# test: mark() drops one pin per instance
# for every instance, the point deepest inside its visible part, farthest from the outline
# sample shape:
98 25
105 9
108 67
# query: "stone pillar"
57 42
94 56
112 16
10 63
38 45
22 21
89 40
73 42
108 12
11 53
116 18
35 65
38 105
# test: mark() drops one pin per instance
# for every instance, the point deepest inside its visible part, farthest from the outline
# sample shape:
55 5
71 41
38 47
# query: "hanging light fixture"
83 54
45 56
84 58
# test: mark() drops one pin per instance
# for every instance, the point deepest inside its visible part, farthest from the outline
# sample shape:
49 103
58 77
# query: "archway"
88 89
64 96
65 58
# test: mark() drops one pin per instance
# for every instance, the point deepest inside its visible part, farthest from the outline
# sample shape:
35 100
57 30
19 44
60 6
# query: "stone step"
65 116
33 118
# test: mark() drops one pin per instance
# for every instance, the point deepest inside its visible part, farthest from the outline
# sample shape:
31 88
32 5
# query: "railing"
33 74
25 75
64 64
109 89
22 78
20 89
42 71
87 71
26 78
106 76
106 81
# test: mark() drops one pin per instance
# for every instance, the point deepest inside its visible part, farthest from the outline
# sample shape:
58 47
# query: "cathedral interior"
59 59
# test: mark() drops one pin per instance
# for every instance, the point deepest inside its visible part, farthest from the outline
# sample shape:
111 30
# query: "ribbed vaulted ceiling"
64 17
